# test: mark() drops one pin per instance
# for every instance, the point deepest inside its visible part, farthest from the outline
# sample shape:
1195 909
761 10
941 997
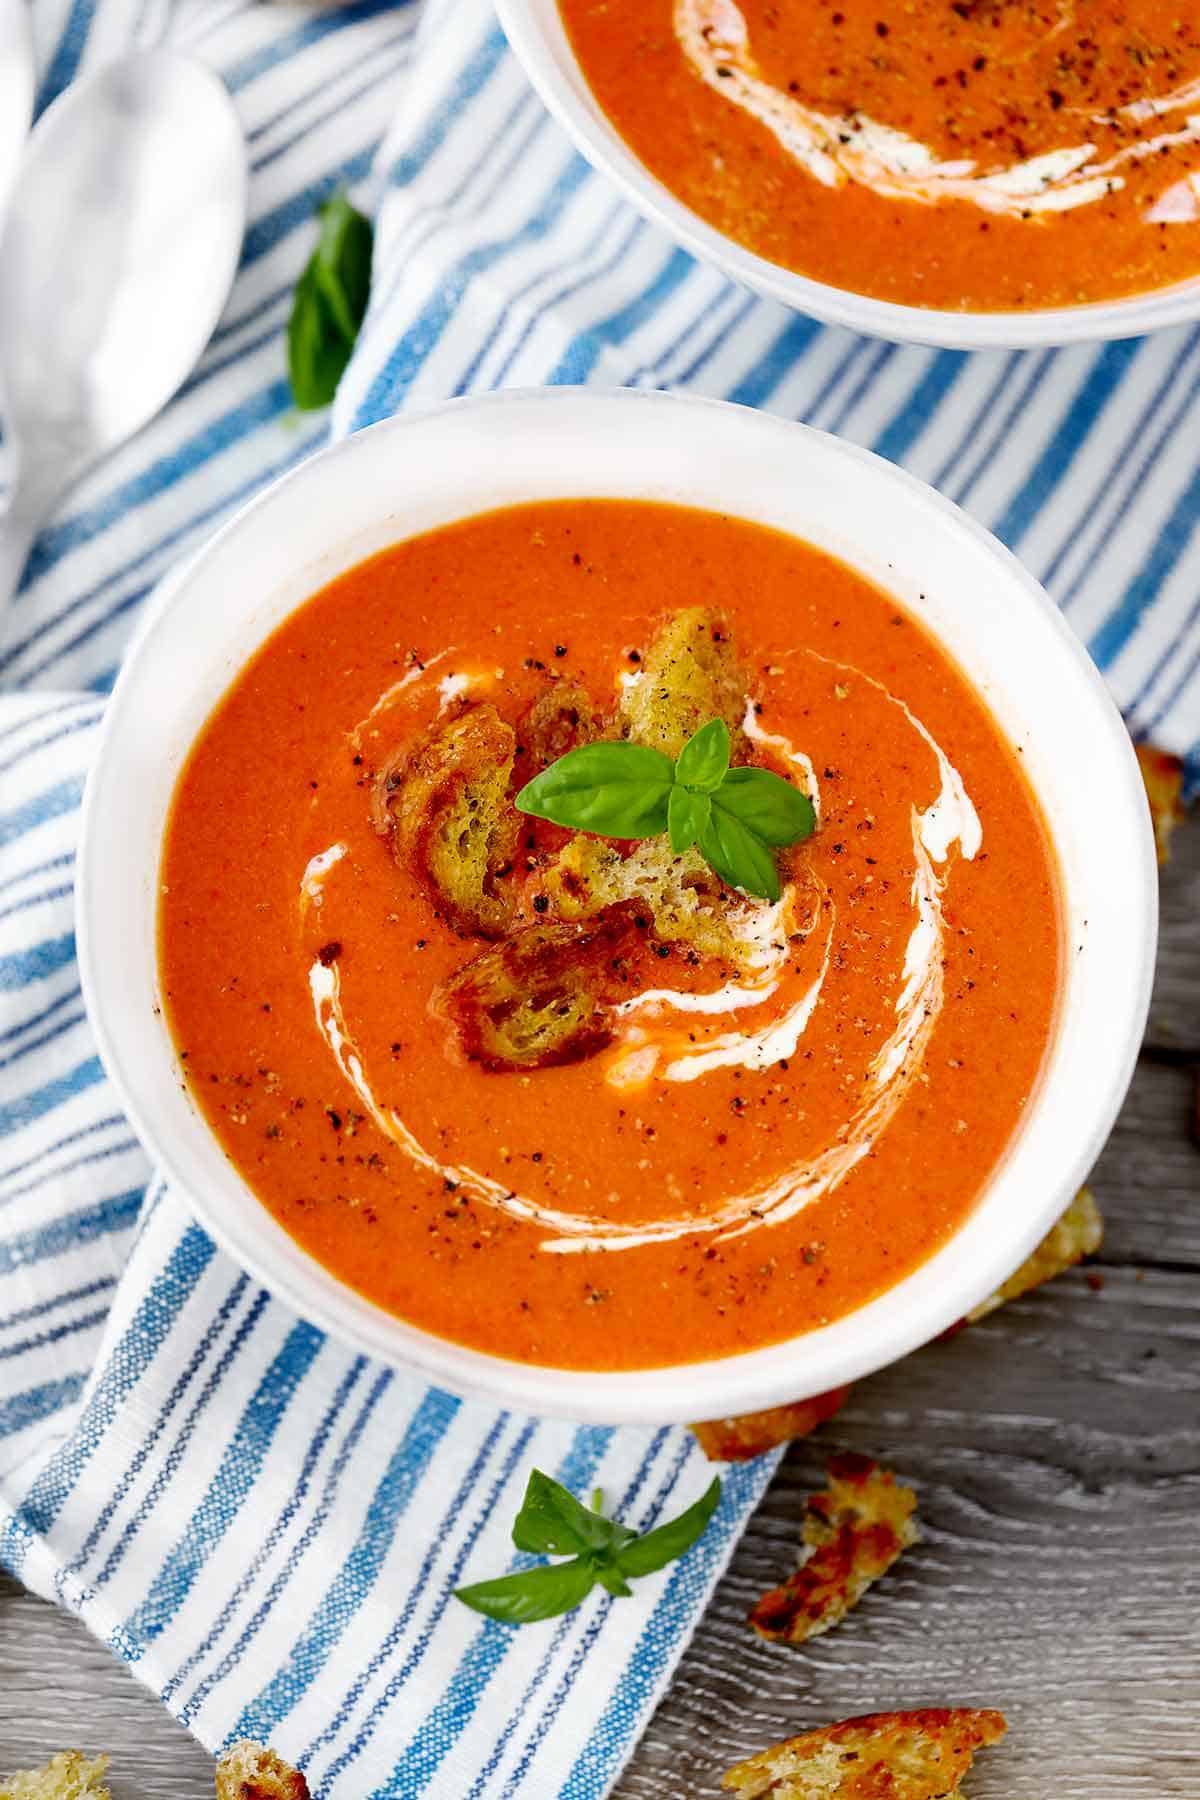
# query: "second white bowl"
535 31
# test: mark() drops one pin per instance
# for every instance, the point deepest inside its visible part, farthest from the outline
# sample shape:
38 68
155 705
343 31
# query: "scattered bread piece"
540 998
683 899
854 1531
249 1772
560 719
746 1435
1163 776
883 1756
68 1776
689 674
1079 1233
444 806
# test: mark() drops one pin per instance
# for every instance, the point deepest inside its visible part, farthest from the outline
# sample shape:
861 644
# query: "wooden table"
1056 1448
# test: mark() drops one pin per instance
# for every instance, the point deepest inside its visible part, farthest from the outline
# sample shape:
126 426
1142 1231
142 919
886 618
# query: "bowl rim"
739 1383
602 145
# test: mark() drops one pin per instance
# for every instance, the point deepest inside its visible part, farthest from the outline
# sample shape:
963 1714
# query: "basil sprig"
329 304
603 1552
738 817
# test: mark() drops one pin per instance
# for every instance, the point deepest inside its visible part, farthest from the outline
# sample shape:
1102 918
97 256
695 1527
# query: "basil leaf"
317 352
531 1594
663 1545
616 790
609 1575
343 263
687 816
329 304
769 806
738 855
552 1520
704 759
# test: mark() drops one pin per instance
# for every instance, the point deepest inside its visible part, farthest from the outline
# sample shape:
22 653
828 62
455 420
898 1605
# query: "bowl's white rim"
731 1385
607 151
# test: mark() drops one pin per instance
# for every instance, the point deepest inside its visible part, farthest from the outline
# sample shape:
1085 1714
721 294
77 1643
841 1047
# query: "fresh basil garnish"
740 857
703 762
616 790
687 818
329 304
738 817
602 1552
767 805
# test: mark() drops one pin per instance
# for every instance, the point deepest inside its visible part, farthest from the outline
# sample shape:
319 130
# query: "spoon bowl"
115 263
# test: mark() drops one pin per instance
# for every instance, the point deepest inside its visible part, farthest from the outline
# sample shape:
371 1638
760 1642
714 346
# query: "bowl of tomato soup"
1000 172
573 1120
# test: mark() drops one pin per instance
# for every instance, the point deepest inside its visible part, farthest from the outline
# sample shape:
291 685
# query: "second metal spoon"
116 259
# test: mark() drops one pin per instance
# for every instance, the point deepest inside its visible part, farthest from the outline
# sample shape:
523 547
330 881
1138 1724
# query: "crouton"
249 1772
747 1435
444 806
1079 1233
682 898
688 675
853 1532
883 1756
560 719
68 1776
1163 776
540 998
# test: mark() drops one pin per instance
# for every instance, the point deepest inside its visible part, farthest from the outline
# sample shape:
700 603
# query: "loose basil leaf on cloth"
703 762
767 805
615 790
532 1594
553 1522
608 1553
329 304
609 1575
661 1546
343 262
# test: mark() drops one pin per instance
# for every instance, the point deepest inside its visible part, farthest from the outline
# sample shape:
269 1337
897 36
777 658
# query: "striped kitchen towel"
266 1527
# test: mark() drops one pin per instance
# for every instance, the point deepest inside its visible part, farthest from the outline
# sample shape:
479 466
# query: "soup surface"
773 1111
983 155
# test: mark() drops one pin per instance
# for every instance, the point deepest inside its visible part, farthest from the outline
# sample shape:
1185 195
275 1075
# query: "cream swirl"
651 1047
852 147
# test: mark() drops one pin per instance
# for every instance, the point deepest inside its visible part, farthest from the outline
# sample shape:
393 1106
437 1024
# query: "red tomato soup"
982 155
773 1110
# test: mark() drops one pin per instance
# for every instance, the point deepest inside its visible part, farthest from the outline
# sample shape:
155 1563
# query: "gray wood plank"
1148 1179
1056 1449
1175 1010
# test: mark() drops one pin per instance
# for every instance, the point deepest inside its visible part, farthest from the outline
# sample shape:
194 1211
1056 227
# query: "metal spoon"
16 90
115 262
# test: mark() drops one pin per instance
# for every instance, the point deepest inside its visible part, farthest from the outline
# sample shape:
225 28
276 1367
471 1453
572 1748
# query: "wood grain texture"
1056 1449
1175 1015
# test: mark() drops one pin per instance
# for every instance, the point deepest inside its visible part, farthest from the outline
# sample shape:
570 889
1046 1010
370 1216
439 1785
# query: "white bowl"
411 474
535 31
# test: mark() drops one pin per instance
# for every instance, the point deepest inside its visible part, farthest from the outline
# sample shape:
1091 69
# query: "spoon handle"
40 479
18 528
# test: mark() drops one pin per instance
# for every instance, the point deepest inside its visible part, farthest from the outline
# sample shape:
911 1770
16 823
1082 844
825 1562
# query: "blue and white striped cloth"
265 1526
